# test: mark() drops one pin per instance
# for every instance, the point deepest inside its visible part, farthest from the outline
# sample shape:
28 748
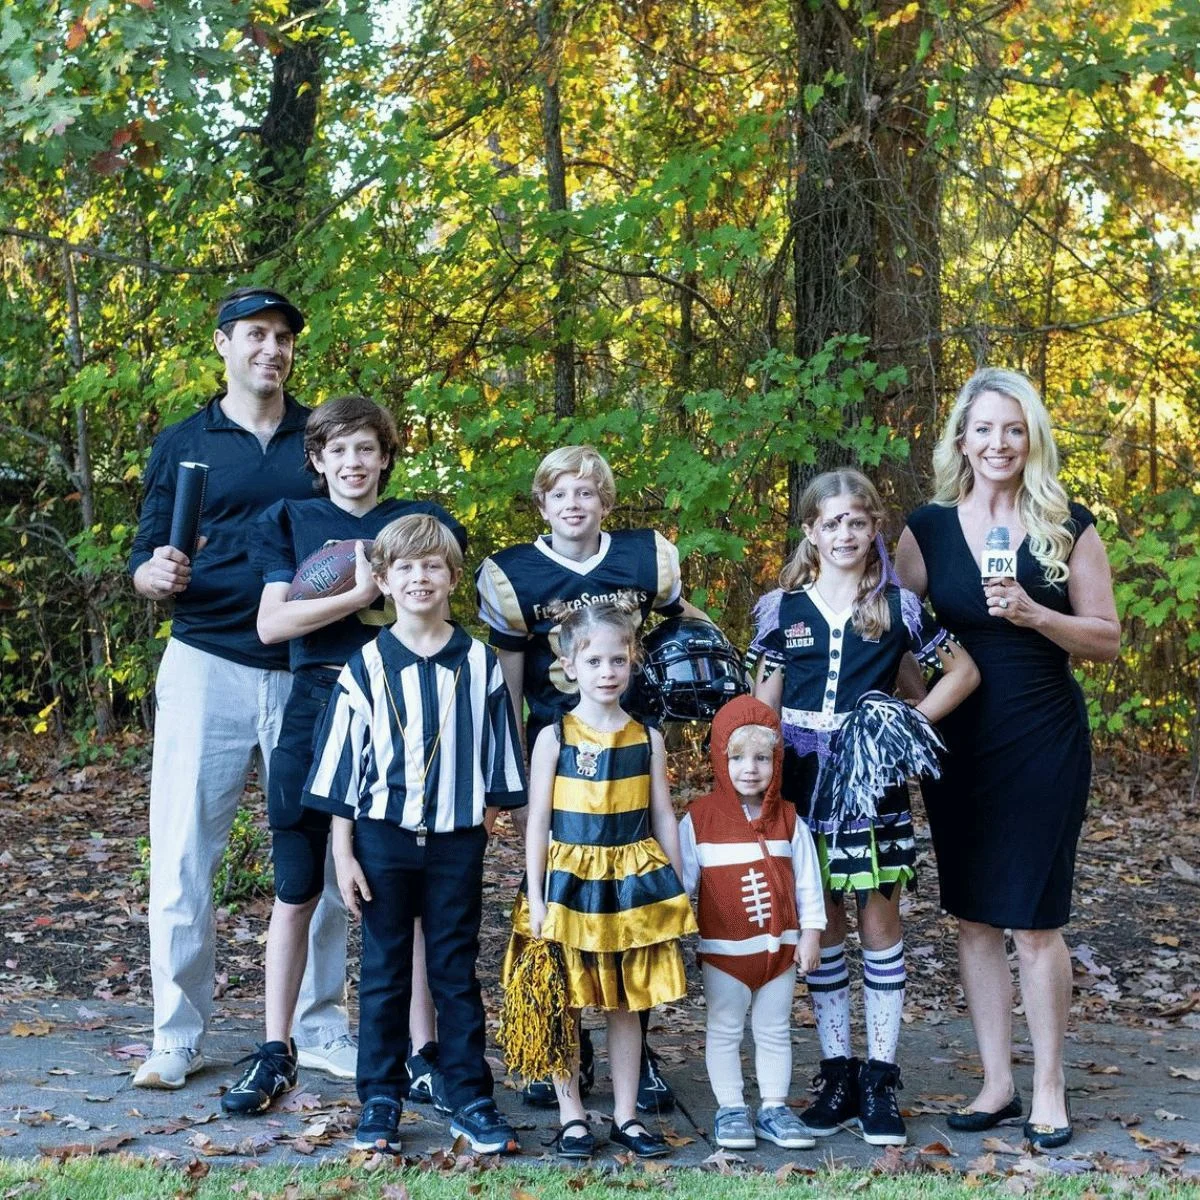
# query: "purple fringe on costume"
887 574
766 618
809 741
910 610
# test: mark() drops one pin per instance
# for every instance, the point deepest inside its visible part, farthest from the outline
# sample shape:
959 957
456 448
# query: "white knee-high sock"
829 987
883 999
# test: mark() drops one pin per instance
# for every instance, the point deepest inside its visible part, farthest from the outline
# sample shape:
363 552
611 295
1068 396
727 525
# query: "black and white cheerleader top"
832 673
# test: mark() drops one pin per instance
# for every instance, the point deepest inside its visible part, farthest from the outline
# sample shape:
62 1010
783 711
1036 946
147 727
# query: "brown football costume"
746 902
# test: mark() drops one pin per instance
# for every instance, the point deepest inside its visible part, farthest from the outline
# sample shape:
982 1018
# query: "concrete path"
65 1088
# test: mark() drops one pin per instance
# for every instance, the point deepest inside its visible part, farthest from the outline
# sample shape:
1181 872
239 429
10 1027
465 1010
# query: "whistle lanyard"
410 755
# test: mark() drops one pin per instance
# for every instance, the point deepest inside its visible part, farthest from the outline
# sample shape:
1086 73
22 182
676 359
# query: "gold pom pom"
537 1030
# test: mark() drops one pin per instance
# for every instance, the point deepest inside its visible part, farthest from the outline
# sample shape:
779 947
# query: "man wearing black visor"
220 692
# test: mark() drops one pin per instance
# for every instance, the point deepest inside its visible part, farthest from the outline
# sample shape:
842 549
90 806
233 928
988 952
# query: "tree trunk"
906 313
97 676
562 297
864 209
286 134
832 218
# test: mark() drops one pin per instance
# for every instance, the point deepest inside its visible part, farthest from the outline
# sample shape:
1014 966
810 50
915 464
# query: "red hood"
745 710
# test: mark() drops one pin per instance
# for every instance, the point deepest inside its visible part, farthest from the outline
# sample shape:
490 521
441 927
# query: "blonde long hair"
871 617
1041 500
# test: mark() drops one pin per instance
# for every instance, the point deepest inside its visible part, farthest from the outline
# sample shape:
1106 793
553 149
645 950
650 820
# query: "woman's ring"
1003 601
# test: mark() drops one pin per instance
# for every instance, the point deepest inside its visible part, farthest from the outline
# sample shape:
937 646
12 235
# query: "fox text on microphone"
997 561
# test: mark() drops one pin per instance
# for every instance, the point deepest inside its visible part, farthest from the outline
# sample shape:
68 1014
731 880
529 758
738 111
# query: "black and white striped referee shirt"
452 722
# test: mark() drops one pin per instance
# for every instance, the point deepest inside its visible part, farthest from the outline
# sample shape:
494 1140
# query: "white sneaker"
338 1058
168 1068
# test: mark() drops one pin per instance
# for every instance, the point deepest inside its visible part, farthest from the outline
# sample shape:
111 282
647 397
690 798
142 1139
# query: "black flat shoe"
574 1145
644 1144
976 1120
1049 1137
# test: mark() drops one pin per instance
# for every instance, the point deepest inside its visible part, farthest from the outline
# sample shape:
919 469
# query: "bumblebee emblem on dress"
587 759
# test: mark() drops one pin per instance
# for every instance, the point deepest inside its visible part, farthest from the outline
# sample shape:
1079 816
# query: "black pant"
442 883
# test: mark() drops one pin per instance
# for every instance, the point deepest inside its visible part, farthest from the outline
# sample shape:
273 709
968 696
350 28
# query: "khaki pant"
216 720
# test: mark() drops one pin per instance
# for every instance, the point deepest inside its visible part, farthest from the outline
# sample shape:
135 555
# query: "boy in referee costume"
419 741
350 445
578 563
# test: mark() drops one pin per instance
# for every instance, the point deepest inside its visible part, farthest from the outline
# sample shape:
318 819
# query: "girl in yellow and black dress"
603 864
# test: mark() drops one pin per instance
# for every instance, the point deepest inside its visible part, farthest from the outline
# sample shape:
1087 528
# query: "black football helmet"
689 669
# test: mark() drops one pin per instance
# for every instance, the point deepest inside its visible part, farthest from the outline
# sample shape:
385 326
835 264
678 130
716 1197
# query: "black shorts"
299 835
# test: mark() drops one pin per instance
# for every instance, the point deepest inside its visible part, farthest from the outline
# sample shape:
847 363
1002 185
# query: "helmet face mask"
688 671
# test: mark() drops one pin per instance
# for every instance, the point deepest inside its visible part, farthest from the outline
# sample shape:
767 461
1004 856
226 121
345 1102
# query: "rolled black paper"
189 503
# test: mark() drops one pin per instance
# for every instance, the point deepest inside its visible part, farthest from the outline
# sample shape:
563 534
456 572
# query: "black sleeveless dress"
1006 813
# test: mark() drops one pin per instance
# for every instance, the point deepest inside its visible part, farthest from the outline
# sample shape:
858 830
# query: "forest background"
729 242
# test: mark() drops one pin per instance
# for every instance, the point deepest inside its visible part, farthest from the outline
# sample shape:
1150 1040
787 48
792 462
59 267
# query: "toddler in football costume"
752 868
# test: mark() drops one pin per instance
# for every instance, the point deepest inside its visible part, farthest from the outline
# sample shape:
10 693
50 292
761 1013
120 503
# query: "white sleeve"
670 582
810 896
499 607
691 860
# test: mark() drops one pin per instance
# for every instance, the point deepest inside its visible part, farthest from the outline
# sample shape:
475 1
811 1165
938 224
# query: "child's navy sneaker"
437 1088
421 1067
379 1126
587 1063
485 1128
270 1073
539 1093
654 1094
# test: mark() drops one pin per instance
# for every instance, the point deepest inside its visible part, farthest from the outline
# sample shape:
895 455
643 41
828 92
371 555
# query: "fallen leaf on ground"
938 1149
997 1145
721 1161
1192 1073
1183 869
133 1050
85 1149
36 1028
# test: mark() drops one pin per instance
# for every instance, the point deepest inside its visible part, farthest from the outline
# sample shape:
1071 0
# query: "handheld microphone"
997 561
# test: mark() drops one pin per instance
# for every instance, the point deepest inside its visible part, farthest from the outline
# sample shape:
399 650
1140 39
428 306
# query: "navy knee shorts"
299 835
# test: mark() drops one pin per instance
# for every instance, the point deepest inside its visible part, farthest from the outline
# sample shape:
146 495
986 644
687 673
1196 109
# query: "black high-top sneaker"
836 1085
421 1067
878 1111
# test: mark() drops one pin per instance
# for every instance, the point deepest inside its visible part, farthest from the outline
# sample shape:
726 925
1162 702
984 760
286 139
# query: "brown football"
326 572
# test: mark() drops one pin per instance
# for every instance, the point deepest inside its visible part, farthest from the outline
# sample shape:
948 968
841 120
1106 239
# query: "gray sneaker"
168 1068
780 1125
733 1130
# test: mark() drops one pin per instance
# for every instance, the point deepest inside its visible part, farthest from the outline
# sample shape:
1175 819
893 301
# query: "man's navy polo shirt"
218 611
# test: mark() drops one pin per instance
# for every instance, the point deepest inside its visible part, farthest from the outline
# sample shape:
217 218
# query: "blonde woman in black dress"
1007 812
